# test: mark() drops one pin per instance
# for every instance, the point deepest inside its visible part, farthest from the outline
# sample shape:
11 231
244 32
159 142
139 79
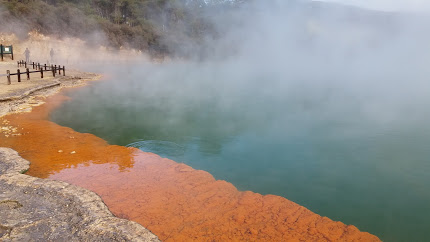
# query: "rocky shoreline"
40 209
34 209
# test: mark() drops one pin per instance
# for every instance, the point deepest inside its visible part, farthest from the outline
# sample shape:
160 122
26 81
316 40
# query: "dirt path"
15 86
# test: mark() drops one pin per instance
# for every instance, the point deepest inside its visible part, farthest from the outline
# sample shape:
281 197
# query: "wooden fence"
37 68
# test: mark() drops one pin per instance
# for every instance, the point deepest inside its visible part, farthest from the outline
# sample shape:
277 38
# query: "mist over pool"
354 153
324 105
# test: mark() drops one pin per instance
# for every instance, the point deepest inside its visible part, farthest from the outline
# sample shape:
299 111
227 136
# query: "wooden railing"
37 68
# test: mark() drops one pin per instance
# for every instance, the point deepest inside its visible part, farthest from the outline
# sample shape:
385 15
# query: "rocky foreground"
45 210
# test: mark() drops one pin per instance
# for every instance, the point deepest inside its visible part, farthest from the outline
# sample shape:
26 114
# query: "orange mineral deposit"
173 200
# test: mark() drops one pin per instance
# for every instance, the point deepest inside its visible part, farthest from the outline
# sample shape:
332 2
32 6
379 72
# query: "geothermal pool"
360 161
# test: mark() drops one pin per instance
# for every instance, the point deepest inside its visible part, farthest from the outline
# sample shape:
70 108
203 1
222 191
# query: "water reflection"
164 148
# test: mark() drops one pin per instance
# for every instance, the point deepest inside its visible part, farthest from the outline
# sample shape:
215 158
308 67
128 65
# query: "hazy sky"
389 5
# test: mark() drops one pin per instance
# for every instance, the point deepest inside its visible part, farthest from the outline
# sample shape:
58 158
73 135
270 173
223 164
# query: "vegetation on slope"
156 26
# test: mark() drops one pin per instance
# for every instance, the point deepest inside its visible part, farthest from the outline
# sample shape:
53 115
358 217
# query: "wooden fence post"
18 63
25 64
19 75
1 52
8 77
53 70
28 74
64 70
33 65
45 67
41 73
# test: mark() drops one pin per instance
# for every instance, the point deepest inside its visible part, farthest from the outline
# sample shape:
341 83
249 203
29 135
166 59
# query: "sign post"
6 50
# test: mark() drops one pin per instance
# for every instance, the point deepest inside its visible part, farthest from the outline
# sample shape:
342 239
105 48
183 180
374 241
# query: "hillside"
154 26
200 28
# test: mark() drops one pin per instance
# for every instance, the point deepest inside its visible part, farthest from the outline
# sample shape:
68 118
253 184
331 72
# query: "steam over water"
358 153
324 105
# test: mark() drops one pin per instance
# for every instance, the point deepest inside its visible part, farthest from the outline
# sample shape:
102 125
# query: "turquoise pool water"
355 153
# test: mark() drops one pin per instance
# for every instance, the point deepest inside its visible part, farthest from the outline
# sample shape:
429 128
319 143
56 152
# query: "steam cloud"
295 71
332 59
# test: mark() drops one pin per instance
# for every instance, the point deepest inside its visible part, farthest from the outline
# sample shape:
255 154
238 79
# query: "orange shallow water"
171 199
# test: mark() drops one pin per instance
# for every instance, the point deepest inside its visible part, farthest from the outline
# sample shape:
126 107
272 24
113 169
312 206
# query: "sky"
389 5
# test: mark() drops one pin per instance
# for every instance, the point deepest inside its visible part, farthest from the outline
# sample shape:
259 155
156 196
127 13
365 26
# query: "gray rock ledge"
34 209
